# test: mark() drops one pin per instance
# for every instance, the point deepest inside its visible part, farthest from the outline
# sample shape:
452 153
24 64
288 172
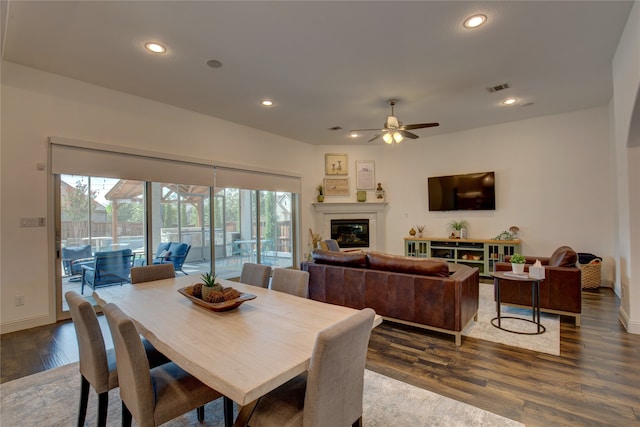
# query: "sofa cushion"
345 259
564 256
408 265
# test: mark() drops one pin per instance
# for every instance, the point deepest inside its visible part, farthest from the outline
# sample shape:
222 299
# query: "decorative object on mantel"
336 186
505 235
456 227
320 193
380 193
514 231
517 263
420 230
361 196
412 232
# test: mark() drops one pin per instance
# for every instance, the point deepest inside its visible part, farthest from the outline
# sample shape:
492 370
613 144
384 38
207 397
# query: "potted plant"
457 225
320 193
209 284
420 230
517 263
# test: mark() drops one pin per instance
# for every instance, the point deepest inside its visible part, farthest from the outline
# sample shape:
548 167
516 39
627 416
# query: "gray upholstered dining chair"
330 393
294 282
255 274
148 273
152 396
97 364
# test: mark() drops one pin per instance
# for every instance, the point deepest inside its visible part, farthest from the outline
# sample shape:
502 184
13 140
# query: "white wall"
36 105
553 173
626 149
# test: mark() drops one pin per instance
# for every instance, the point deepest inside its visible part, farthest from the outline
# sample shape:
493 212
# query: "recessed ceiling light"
509 101
475 21
155 47
267 102
354 134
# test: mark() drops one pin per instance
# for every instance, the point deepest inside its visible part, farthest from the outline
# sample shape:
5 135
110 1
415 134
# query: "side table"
500 276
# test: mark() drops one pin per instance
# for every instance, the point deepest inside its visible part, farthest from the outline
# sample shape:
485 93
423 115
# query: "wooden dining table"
243 353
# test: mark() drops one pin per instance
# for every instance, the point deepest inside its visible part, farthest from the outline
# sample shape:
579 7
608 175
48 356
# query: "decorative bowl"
219 306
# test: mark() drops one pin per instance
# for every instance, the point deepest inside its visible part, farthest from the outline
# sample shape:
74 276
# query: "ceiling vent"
335 128
497 88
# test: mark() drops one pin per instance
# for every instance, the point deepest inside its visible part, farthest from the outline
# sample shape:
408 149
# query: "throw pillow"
164 254
564 256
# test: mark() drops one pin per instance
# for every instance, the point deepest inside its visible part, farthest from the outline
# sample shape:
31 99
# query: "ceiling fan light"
397 137
387 138
392 122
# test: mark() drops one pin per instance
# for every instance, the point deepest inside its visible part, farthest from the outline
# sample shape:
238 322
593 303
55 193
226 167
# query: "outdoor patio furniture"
172 252
108 268
74 257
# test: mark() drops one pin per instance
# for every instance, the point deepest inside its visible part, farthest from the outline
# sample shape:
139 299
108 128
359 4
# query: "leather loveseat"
416 291
560 291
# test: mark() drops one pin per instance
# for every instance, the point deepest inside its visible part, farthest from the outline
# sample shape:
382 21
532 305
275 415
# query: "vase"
320 198
412 232
517 268
362 196
419 235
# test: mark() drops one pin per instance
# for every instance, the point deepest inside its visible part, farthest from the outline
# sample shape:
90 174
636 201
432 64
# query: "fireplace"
371 211
350 233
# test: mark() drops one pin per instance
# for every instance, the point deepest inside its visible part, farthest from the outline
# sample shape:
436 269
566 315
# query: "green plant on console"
458 224
518 259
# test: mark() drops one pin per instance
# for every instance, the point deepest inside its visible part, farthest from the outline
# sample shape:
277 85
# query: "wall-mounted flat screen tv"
473 191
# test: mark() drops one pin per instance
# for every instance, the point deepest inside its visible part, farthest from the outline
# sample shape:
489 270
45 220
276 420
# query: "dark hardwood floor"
594 382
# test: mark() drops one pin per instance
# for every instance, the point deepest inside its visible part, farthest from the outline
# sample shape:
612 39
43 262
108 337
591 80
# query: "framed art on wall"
336 186
335 164
365 175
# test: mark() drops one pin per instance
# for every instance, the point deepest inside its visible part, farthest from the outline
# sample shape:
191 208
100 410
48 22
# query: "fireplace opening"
350 233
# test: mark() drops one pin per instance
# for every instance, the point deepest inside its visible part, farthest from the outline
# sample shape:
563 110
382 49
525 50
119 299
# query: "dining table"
243 353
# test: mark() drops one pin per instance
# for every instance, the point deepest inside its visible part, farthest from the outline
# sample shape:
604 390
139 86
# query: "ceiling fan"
394 130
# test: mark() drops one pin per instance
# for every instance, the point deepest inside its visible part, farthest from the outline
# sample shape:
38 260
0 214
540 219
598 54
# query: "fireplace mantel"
373 211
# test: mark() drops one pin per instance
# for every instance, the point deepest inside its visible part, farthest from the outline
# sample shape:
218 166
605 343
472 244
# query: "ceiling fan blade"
374 138
407 134
419 126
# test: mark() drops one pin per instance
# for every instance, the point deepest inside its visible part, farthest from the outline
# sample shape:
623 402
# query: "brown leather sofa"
560 291
416 291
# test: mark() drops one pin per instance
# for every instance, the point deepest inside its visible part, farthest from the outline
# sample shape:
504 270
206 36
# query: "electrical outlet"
19 300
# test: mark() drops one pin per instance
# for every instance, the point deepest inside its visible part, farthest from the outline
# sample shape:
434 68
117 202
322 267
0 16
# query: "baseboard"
631 327
22 324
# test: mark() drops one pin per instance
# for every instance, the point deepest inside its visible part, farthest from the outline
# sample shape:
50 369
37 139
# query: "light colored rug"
51 398
548 342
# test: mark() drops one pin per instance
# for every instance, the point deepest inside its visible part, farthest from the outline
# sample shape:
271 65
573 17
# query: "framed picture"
335 164
336 186
365 175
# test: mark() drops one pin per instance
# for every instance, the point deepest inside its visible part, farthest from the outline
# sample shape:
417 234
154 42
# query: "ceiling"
331 63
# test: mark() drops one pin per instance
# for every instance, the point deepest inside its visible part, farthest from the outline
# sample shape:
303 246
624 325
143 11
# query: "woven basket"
591 274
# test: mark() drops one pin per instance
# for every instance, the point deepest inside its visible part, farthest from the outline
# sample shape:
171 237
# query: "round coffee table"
504 276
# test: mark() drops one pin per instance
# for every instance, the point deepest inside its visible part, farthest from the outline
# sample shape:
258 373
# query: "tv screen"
473 191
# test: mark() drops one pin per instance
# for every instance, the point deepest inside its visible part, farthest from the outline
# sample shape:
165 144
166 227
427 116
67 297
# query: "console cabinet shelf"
472 252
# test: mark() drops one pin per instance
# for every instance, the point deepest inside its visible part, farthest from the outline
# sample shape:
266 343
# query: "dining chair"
97 364
330 393
152 272
255 274
152 396
294 282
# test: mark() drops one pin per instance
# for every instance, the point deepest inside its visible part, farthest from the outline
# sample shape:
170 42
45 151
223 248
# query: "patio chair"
74 257
172 252
108 268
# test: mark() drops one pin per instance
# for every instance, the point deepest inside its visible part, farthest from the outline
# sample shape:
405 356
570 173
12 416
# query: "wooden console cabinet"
479 253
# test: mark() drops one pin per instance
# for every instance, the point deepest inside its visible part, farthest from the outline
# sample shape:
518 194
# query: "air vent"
335 128
493 89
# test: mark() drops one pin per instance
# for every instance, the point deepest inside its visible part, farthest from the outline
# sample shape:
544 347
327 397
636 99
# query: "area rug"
548 342
51 398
